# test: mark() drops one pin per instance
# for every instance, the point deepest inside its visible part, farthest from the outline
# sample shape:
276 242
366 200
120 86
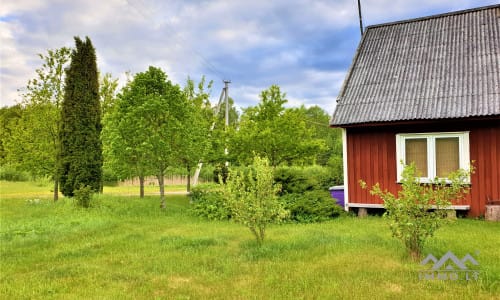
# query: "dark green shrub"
109 178
336 169
83 196
305 192
11 174
208 202
221 171
207 173
302 179
311 206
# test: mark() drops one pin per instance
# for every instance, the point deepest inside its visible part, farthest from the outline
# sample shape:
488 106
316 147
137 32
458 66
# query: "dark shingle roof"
438 67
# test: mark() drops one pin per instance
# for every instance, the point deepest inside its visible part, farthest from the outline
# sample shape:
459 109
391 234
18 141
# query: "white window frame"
463 148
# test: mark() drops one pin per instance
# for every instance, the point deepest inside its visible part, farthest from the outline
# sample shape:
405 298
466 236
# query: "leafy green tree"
199 94
269 130
214 117
81 149
48 86
220 135
31 147
33 144
146 131
196 123
419 209
108 86
122 144
252 198
220 116
9 117
162 116
318 120
123 134
107 91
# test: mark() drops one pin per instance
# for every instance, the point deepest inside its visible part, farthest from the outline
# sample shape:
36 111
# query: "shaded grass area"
127 248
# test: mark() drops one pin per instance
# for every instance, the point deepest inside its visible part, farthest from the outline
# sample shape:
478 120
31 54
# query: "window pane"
447 156
416 151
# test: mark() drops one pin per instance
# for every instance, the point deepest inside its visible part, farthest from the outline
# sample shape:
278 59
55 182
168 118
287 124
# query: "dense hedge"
303 179
208 202
311 206
304 193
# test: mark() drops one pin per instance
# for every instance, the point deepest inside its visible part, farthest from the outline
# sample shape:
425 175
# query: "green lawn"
127 248
44 189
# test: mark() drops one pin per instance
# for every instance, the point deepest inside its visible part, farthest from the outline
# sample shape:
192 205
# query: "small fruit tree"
252 198
419 209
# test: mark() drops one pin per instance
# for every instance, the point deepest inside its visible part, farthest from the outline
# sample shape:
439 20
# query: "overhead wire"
317 123
149 16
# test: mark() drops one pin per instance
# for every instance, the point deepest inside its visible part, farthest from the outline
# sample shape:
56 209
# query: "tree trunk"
141 186
56 189
262 231
188 188
56 170
161 183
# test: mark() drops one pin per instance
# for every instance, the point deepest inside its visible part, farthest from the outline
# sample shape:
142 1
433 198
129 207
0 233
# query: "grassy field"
43 189
127 248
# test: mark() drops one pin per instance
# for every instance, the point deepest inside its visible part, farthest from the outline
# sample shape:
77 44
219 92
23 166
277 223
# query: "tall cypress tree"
81 149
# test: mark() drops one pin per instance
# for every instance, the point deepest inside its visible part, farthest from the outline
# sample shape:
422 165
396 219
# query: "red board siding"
485 151
371 156
372 166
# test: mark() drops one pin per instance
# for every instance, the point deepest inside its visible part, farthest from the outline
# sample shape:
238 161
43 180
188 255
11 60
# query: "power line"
149 16
360 18
316 123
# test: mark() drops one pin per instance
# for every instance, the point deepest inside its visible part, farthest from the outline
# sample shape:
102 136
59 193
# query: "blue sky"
304 46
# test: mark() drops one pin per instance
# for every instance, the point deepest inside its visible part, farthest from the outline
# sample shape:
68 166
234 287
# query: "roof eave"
415 121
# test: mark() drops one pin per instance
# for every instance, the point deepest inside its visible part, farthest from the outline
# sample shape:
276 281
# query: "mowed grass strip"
43 189
127 248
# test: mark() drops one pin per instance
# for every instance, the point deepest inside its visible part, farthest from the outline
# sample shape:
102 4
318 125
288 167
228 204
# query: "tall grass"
127 248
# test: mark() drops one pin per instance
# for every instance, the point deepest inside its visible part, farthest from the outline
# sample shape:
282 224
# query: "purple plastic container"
337 193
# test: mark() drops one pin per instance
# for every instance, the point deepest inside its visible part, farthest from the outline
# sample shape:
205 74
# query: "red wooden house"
425 90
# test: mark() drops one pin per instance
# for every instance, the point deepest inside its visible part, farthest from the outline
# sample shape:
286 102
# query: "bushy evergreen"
311 206
81 149
299 180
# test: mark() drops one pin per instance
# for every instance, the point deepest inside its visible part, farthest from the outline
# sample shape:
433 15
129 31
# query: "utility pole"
226 98
360 18
223 95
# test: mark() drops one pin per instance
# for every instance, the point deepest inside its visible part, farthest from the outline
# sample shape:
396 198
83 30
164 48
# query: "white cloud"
315 88
283 59
14 67
10 7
